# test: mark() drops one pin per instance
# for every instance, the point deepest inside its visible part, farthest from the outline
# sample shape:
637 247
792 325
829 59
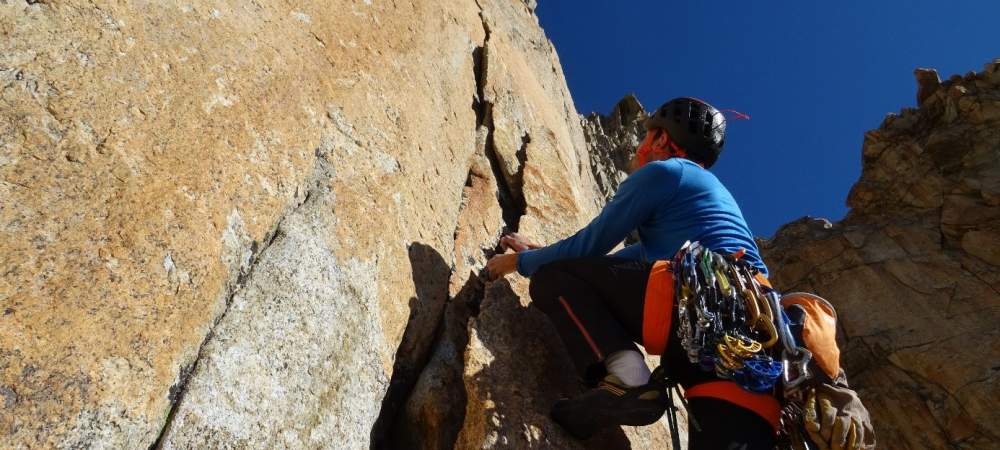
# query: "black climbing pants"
597 306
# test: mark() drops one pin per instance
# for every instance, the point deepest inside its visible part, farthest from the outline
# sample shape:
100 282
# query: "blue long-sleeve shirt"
668 202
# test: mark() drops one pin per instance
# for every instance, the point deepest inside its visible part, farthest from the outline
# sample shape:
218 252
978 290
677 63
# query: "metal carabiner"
719 266
796 368
752 302
734 276
769 329
728 358
724 284
741 347
753 282
690 273
705 264
781 326
787 340
684 248
765 322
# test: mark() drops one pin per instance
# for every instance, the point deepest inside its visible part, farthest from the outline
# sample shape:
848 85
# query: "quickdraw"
729 322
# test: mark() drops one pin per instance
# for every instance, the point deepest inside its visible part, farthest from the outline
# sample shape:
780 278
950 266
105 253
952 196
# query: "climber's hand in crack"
516 242
500 265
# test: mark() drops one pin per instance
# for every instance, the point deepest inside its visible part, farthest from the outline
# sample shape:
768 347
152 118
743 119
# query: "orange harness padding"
764 405
656 320
657 311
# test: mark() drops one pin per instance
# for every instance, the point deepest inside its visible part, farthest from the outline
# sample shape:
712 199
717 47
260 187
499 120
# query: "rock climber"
602 305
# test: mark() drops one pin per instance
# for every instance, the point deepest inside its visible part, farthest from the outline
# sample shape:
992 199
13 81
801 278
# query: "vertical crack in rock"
429 269
425 406
520 205
435 409
509 187
402 420
428 409
510 195
478 72
178 389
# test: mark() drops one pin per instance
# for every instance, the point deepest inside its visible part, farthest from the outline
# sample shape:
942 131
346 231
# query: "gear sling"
733 323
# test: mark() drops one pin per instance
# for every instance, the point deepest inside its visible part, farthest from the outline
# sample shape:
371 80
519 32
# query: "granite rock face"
913 269
258 225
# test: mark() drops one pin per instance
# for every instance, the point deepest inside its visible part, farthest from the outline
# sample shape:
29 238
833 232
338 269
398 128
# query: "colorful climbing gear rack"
730 323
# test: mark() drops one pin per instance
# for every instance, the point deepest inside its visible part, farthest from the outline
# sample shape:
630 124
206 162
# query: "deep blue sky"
814 76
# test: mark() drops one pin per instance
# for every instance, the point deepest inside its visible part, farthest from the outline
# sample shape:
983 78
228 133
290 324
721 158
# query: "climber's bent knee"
544 285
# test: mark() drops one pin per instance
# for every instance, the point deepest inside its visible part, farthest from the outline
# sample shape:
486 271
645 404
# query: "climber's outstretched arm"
636 200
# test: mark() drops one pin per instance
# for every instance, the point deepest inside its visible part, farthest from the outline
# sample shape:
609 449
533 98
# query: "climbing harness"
732 324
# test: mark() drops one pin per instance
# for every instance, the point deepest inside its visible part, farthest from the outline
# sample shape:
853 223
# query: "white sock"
628 366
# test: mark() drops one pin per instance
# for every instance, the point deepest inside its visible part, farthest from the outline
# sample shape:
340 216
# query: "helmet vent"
708 128
694 118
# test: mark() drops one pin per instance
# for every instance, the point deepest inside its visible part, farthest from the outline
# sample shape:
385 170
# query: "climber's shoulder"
658 175
660 171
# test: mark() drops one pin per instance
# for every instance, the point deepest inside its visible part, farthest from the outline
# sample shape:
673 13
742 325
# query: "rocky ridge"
612 140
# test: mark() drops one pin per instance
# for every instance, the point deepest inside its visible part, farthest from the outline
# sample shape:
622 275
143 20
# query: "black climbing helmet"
694 125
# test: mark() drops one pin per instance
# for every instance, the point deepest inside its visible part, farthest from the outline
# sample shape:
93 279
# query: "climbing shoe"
610 403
